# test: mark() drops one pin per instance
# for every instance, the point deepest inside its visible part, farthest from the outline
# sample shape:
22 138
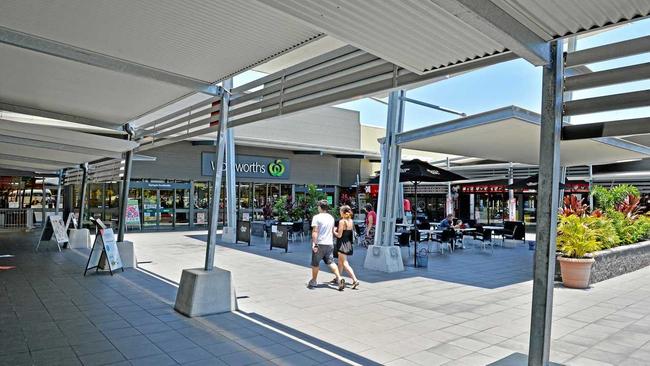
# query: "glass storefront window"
274 192
260 195
150 207
111 195
244 190
182 198
201 195
166 207
95 197
285 190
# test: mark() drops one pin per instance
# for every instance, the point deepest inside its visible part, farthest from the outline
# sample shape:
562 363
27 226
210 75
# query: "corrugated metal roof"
557 18
417 35
420 36
204 39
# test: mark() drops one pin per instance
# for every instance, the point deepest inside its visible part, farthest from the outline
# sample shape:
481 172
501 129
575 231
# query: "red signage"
483 188
372 189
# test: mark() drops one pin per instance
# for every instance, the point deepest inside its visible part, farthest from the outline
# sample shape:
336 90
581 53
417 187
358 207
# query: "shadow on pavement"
472 266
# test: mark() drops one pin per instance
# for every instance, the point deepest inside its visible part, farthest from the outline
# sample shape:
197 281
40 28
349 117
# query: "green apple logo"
276 168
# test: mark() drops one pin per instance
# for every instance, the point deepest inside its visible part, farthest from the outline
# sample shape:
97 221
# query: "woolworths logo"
276 168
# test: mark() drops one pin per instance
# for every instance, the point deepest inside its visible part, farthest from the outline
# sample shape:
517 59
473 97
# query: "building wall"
327 127
182 161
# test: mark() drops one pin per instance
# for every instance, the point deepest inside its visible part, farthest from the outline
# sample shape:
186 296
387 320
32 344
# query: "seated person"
448 223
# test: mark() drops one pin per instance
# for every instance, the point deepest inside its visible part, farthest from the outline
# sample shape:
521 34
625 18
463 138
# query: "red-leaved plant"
575 207
629 207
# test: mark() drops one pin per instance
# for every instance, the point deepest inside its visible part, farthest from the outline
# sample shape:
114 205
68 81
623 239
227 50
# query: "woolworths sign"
249 166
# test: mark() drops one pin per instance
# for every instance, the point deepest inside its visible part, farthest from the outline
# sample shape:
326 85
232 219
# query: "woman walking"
371 222
345 239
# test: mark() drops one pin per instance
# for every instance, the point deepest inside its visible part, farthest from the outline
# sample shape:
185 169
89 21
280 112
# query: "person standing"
322 245
344 245
371 222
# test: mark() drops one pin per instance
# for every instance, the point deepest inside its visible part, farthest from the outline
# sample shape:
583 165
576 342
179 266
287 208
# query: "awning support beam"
10 107
626 127
488 18
607 103
72 53
547 198
82 193
608 52
433 106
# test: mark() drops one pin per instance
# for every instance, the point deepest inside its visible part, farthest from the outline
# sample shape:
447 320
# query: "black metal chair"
447 239
297 229
514 230
484 236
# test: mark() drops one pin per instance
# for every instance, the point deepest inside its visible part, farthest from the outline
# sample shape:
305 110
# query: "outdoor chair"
447 238
484 237
297 230
514 230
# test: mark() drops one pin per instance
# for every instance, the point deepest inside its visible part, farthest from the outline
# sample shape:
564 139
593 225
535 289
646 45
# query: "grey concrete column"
217 177
43 196
547 199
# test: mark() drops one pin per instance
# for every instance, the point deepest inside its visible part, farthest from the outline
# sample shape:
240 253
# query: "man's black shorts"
324 253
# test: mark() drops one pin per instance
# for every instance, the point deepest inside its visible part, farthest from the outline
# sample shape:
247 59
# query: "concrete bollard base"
204 292
384 258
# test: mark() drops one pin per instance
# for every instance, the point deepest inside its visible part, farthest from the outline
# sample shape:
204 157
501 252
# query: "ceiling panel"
204 39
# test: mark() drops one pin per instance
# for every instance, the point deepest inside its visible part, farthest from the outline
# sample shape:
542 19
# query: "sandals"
341 284
355 284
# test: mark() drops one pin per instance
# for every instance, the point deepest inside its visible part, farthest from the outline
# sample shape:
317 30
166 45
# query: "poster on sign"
133 213
54 226
200 218
72 220
105 246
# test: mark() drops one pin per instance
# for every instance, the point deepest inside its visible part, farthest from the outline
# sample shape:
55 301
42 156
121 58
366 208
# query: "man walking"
322 245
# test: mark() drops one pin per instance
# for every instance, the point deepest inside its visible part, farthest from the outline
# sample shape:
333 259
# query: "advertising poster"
133 213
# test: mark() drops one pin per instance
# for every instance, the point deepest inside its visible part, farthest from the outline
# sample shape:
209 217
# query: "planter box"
620 260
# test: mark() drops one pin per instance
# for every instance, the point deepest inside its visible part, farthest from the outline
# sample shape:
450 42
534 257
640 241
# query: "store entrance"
165 206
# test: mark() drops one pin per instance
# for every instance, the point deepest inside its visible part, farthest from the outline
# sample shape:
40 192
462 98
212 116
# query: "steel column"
231 195
43 196
82 193
389 174
58 193
547 198
126 179
591 187
512 214
216 180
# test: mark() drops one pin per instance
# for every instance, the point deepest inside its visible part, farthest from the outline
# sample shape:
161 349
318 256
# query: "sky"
511 83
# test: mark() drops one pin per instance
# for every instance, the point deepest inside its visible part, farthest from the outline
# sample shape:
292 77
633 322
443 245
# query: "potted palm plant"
576 239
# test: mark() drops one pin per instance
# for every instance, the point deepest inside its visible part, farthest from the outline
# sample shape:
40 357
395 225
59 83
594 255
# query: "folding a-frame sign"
104 247
53 225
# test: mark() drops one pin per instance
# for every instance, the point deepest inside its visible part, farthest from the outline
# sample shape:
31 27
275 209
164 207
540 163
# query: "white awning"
511 134
26 146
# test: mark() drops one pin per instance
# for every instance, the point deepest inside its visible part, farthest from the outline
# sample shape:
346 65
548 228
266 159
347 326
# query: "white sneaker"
311 284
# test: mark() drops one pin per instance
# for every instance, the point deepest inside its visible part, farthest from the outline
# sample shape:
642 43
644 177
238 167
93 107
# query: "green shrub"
605 232
576 238
608 198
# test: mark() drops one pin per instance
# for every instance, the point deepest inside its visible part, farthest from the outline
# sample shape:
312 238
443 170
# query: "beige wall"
327 127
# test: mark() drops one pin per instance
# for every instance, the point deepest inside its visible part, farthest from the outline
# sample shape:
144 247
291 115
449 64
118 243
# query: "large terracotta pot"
576 271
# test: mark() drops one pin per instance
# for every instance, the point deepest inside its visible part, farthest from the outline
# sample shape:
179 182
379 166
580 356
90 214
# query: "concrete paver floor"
468 308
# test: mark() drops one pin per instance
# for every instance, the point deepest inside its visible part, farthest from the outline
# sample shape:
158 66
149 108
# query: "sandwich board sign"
104 247
72 220
54 226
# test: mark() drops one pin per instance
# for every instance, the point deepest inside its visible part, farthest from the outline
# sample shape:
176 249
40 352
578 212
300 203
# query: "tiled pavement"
468 308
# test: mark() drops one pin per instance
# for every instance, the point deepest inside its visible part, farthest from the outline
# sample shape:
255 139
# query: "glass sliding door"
166 217
150 208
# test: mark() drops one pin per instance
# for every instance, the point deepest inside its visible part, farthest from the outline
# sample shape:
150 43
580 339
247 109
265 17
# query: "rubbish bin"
422 260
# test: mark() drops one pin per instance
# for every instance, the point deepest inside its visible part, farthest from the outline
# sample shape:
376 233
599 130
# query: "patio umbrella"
417 171
527 183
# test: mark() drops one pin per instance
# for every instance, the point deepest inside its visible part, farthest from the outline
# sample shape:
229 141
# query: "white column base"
127 253
229 235
384 259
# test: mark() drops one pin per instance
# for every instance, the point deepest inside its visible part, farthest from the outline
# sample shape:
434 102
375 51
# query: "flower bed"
620 260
